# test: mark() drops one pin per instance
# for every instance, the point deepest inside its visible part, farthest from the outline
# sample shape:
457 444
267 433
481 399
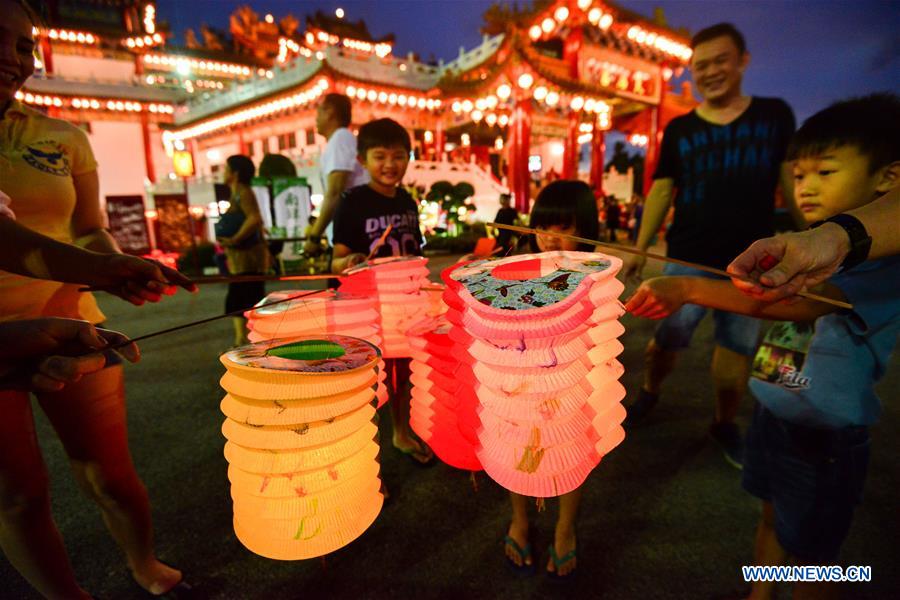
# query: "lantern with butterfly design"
541 332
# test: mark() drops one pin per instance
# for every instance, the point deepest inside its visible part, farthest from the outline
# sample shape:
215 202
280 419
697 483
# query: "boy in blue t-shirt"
808 446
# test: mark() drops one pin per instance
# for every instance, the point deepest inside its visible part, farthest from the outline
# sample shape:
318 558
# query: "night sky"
810 53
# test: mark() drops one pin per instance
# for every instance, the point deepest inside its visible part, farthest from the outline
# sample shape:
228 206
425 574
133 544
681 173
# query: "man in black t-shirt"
720 165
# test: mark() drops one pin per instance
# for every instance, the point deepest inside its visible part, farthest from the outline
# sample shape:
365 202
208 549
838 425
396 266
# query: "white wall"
100 69
119 150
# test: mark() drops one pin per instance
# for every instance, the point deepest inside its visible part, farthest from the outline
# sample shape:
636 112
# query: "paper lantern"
301 443
396 283
325 312
536 338
443 412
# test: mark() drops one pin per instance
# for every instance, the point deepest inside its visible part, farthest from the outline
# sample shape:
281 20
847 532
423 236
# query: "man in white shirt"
338 166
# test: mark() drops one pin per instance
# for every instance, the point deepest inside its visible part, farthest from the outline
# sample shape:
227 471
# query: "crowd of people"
804 455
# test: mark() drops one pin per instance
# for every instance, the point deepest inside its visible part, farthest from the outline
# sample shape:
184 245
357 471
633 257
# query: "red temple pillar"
598 152
520 146
570 152
654 139
148 149
46 54
242 143
571 47
439 140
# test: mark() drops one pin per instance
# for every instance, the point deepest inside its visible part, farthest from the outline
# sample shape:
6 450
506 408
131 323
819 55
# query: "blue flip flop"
524 568
559 562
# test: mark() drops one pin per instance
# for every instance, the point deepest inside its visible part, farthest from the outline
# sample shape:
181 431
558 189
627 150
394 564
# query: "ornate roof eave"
456 84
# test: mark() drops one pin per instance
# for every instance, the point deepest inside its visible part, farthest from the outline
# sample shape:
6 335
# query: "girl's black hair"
565 203
241 166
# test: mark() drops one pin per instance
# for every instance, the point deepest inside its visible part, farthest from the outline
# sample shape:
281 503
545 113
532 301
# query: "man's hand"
44 355
138 280
657 298
633 266
781 266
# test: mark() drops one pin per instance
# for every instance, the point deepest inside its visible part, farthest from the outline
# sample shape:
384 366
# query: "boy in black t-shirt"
366 211
362 217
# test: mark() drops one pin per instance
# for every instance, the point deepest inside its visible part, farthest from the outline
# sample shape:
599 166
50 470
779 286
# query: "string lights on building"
185 64
97 104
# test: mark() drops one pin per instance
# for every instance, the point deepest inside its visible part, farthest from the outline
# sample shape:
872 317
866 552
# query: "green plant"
450 197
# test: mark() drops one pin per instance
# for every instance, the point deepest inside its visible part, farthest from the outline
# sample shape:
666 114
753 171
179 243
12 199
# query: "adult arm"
657 205
781 266
44 354
335 184
117 273
344 258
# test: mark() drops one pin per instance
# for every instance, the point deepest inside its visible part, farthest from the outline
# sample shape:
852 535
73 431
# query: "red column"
242 143
439 141
571 48
520 134
47 54
570 152
598 151
654 140
148 151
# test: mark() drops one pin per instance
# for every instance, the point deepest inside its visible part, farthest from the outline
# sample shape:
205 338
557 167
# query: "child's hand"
657 298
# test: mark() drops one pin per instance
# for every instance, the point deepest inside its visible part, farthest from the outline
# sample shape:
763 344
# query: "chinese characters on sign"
625 76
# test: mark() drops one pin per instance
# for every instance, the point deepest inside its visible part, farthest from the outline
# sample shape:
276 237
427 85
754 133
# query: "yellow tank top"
39 156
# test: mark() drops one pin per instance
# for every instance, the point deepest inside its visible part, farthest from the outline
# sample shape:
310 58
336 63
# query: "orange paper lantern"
301 443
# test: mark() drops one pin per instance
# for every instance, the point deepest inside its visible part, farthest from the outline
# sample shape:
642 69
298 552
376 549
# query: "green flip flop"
559 562
524 553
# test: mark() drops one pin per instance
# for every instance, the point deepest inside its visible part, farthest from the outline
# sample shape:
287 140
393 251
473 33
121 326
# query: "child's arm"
344 258
661 296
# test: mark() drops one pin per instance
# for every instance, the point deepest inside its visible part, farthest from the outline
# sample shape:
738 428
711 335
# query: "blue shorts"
737 333
813 478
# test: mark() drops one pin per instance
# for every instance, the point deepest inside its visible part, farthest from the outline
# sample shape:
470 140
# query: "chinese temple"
544 82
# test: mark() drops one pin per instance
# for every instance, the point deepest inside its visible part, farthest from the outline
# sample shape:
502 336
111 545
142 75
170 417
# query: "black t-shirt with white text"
725 178
363 214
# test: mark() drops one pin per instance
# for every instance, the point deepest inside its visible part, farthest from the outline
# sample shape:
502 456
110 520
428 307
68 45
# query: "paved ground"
663 516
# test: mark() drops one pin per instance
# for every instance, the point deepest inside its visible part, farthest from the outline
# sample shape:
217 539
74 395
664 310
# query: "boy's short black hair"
565 203
871 124
719 30
386 133
241 166
340 106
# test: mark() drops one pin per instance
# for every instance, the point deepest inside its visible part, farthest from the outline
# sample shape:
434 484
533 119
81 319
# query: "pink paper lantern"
537 336
301 443
396 283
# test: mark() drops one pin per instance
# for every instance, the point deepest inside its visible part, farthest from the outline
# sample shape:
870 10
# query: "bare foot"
563 544
519 534
156 577
413 448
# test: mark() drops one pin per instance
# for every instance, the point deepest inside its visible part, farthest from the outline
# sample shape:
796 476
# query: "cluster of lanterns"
301 444
93 103
392 98
73 37
380 49
209 66
303 98
482 108
550 23
540 333
146 41
660 42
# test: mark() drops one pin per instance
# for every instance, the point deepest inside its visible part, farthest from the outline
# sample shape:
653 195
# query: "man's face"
387 166
718 68
323 118
16 49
